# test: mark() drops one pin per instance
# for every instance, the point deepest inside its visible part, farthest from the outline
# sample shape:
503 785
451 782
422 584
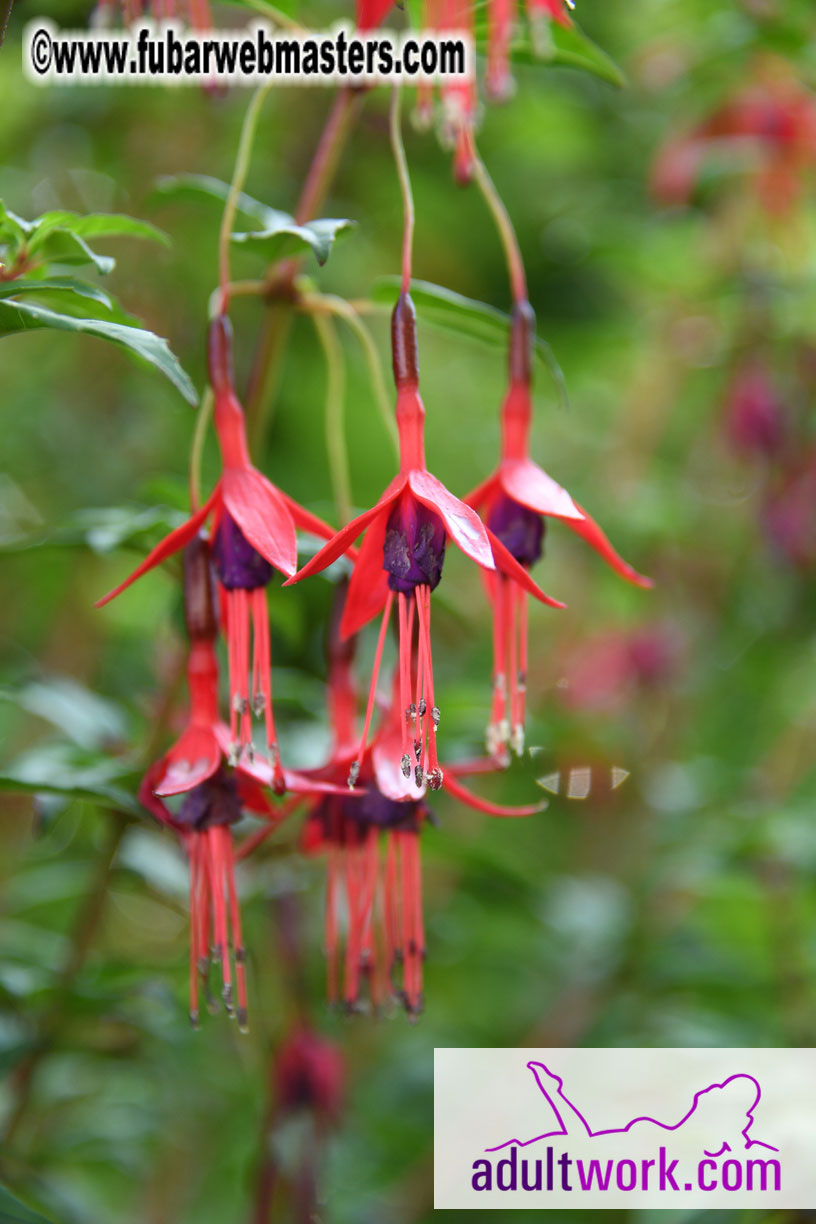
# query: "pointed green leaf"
62 770
16 316
88 719
198 186
281 236
571 48
94 225
66 284
452 312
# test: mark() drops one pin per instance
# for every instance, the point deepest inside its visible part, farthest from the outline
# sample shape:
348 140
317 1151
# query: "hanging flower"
195 12
515 503
253 534
215 797
370 837
755 412
767 130
309 1074
401 561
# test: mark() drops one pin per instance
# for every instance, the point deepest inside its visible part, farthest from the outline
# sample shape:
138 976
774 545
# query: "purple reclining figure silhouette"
719 1109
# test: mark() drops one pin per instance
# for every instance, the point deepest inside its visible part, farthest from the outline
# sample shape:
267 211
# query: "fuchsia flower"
310 1075
195 12
755 413
253 534
215 796
515 502
380 897
770 127
401 560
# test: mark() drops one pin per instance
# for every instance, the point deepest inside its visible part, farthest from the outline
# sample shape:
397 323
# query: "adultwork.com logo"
722 1113
616 1128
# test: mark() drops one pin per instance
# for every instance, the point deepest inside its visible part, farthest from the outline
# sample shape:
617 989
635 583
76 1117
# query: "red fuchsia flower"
401 560
309 1075
215 796
195 12
607 671
755 417
770 127
379 894
253 534
515 503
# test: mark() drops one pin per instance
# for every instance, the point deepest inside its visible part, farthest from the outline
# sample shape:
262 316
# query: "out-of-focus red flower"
755 416
769 129
515 502
310 1076
402 555
608 669
195 12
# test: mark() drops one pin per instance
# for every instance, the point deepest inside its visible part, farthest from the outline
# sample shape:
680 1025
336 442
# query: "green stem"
248 129
507 233
5 20
275 330
315 302
405 188
197 448
335 426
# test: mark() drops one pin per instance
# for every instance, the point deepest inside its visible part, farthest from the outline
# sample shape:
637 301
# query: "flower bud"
199 603
522 339
219 354
404 342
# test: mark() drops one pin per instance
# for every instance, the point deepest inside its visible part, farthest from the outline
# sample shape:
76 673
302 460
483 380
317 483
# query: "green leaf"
89 720
280 234
548 42
18 316
451 312
12 1211
63 284
571 48
64 770
65 247
103 529
198 186
94 225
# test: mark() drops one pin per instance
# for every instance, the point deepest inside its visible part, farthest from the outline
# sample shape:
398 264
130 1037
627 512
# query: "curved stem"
274 333
328 302
239 175
405 188
335 432
197 448
507 233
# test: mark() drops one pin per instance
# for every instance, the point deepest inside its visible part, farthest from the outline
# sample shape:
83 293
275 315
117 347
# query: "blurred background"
670 240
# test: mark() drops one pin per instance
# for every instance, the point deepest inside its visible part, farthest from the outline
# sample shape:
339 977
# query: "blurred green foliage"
675 909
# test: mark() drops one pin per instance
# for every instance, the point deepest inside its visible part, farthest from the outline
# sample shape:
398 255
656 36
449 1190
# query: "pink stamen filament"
372 692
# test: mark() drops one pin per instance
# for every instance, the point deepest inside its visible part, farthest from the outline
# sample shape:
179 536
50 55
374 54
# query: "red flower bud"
219 355
199 596
404 354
